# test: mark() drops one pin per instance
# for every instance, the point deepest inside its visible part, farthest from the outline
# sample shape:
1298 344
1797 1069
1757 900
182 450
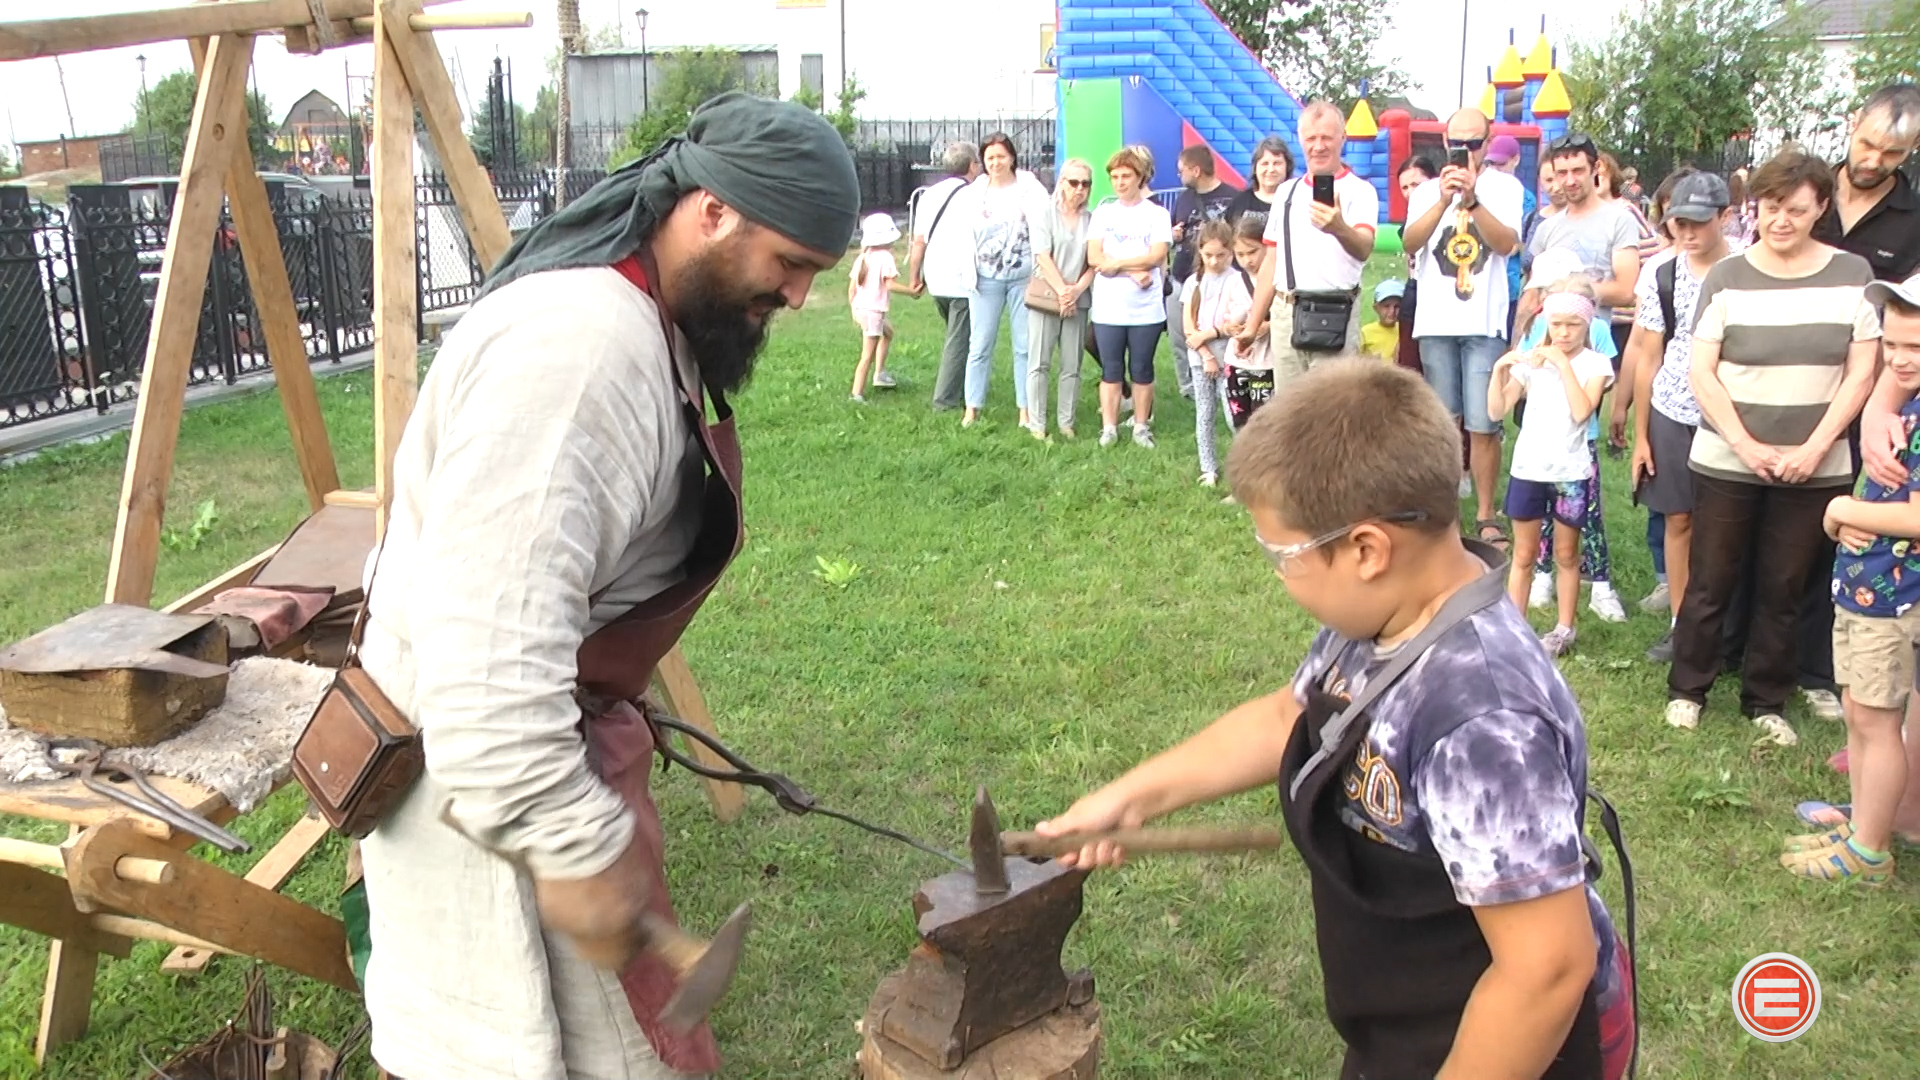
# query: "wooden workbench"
122 877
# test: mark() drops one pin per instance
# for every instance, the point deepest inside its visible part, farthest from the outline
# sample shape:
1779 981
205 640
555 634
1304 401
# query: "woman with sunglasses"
1060 258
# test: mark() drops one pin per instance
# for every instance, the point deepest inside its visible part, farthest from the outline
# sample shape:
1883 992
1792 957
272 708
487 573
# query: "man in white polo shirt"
941 262
1317 251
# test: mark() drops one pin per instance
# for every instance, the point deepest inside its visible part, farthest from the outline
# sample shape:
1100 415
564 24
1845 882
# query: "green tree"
1891 50
842 117
1252 20
1677 78
688 80
167 109
1331 48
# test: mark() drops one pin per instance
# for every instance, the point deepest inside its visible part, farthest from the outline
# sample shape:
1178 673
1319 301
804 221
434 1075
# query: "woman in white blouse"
997 207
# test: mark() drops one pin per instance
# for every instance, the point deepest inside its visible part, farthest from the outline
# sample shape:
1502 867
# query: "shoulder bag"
1319 318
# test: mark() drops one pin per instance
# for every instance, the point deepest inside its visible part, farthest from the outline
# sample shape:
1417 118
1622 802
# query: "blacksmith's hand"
600 914
1104 810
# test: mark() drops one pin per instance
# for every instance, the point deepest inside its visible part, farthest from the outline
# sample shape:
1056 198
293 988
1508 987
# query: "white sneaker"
1208 479
860 399
1823 704
1109 436
1606 604
1466 487
1659 601
1541 594
1558 641
1776 730
1143 436
884 378
1684 715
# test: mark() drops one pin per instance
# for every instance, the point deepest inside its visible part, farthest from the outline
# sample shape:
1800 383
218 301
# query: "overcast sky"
102 86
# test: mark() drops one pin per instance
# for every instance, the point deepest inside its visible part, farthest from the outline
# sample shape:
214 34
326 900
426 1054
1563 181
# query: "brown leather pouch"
359 753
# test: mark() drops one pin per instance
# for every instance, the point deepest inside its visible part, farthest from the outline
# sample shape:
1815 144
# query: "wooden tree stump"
1062 1045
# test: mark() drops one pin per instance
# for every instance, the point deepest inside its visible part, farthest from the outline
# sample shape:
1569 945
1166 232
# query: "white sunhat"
1554 264
878 230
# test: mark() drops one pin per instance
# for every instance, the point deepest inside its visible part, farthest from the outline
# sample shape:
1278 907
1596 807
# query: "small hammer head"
989 859
705 983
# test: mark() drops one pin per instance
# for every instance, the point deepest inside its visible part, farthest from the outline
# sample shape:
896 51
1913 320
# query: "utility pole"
567 17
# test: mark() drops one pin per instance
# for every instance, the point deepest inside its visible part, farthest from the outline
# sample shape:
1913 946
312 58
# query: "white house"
913 58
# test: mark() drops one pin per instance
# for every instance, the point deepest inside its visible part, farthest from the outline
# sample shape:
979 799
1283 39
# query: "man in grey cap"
1655 374
558 480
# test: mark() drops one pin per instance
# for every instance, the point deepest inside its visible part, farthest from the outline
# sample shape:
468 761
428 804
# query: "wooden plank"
273 302
40 903
238 575
27 38
684 700
66 1007
208 903
366 500
433 91
66 800
396 305
183 284
479 20
272 871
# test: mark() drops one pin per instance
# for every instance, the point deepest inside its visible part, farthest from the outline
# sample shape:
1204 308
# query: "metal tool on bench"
86 758
703 969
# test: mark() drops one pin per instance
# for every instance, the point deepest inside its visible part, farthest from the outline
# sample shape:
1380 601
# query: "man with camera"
1467 220
1320 236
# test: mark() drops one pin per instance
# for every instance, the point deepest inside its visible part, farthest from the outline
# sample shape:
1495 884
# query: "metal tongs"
86 758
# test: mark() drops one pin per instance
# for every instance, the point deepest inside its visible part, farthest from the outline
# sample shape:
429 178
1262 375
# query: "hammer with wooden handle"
1188 839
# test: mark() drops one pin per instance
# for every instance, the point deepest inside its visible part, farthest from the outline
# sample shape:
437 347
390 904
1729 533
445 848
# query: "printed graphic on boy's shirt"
1883 580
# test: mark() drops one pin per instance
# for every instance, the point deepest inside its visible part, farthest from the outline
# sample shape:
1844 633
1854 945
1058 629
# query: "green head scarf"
777 162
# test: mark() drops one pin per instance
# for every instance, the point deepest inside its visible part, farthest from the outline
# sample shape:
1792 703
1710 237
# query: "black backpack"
1663 279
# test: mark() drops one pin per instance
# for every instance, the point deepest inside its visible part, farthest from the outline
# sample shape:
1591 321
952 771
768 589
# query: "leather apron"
616 667
1399 953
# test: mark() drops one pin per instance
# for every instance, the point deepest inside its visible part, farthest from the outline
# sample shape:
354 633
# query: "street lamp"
146 116
646 65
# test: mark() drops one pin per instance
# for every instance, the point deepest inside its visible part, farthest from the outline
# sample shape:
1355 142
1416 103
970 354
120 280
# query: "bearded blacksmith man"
560 508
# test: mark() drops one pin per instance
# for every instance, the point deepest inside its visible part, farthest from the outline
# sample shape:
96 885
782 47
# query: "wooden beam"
433 91
497 20
176 321
272 871
211 905
683 699
40 903
66 1005
25 39
239 575
273 301
396 304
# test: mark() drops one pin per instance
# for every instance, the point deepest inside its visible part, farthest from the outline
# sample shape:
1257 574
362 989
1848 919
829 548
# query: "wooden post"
273 300
683 699
427 75
396 306
183 284
272 871
67 1005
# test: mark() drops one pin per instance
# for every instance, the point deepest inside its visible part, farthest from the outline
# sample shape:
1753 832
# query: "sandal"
1499 538
1823 815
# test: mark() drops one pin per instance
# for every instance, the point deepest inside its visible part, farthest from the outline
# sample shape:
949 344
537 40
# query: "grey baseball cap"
1699 197
1908 292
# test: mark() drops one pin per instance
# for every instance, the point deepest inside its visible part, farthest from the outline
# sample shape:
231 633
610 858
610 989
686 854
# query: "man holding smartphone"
1320 236
1468 221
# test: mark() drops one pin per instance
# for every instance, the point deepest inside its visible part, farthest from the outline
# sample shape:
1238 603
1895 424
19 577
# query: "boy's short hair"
1350 441
1898 306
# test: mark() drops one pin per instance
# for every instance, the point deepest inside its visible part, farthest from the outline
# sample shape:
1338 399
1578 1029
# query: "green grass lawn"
1034 617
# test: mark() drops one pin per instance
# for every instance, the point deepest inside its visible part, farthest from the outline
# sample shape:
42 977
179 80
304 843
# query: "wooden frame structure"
127 876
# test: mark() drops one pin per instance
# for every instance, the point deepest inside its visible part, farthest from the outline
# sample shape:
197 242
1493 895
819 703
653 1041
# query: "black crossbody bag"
1319 318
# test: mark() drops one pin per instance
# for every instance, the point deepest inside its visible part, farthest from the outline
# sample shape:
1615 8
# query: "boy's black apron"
1400 954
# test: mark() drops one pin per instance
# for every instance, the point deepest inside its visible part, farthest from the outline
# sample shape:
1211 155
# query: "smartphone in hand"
1323 190
1460 158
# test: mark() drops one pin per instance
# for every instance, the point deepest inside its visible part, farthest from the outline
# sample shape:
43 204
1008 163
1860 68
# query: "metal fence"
78 284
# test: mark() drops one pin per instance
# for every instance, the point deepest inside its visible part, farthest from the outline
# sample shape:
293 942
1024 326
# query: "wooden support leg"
432 90
396 307
273 300
183 284
684 700
272 871
67 1007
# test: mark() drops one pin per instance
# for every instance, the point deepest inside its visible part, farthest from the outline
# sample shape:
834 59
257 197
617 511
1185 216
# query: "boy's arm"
1644 357
1525 1002
1238 752
1901 519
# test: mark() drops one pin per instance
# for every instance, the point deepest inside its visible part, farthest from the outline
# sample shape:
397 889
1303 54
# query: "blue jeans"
1657 542
1459 369
991 297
